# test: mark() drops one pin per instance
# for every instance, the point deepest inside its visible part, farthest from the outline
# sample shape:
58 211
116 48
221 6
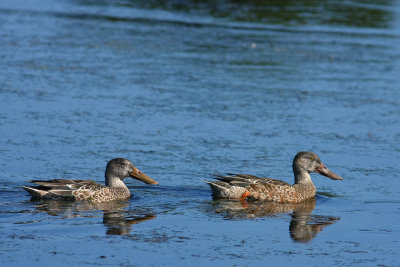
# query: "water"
185 89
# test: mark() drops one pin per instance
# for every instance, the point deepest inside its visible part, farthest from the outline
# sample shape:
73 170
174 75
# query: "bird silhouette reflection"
303 226
117 217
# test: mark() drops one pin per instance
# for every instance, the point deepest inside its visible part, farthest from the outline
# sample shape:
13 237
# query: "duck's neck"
302 177
114 181
302 181
304 185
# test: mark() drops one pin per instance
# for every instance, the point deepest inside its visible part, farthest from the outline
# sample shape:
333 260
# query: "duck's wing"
245 180
60 188
62 183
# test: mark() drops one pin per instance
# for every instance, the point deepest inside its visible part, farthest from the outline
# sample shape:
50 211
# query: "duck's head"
122 168
309 162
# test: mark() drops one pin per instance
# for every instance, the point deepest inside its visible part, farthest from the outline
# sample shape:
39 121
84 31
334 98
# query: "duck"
249 187
88 190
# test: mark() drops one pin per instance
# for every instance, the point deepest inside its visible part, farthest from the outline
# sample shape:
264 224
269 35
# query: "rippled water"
188 88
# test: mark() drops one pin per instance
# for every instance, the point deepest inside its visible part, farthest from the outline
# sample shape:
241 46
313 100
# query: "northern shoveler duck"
241 186
81 190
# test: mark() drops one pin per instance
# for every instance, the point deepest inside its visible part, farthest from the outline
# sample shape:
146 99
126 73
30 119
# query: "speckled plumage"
235 186
76 190
85 190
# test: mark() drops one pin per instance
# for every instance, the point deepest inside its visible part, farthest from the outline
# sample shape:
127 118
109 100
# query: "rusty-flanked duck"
243 186
86 190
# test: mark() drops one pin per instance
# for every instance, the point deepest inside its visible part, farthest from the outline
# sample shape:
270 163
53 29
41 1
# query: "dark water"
188 88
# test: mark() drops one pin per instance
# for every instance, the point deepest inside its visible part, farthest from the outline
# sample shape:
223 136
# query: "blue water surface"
185 89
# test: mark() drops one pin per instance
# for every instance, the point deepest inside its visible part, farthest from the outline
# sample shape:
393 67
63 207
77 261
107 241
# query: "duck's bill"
138 175
323 170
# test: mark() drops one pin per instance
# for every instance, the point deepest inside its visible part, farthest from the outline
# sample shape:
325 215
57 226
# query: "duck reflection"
303 227
118 224
117 217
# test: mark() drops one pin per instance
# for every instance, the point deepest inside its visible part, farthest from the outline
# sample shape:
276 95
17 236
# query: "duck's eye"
312 159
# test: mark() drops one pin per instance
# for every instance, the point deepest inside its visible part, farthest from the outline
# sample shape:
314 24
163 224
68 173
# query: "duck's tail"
37 193
225 190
